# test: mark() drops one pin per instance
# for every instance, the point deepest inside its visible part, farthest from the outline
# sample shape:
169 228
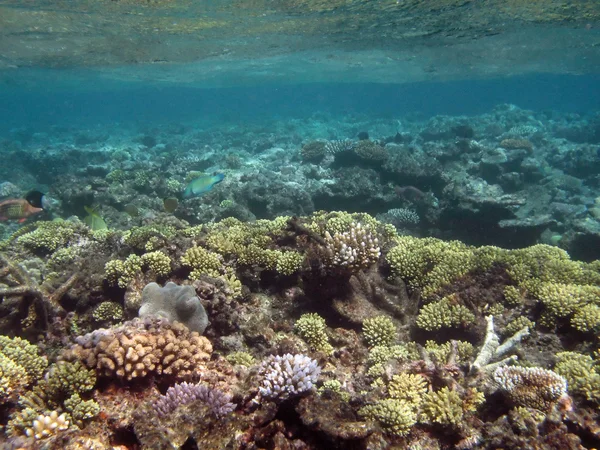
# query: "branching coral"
492 350
217 402
142 347
379 331
352 250
202 262
288 375
121 273
21 284
444 314
582 374
311 327
395 416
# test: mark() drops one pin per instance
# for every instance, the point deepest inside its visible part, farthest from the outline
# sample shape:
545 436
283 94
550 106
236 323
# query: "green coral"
149 237
395 416
289 263
513 296
581 373
441 352
311 327
202 262
70 377
48 236
428 264
443 406
409 388
157 262
587 319
382 354
444 314
25 355
108 311
12 378
518 324
241 359
80 409
379 330
121 273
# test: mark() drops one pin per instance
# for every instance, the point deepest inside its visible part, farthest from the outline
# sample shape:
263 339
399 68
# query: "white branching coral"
283 376
491 350
354 250
532 387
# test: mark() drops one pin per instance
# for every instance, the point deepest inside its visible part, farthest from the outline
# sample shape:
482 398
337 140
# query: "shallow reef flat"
329 330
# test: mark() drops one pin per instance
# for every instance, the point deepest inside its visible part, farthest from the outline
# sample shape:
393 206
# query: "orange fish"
21 208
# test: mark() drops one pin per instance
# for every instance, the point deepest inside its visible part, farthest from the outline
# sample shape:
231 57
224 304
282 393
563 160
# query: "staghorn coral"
287 375
491 349
352 250
175 304
218 403
142 347
531 387
311 327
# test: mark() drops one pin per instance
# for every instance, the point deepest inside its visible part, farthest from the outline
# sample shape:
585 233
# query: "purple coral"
288 375
218 402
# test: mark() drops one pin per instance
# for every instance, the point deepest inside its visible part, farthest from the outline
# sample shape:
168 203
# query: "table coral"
142 347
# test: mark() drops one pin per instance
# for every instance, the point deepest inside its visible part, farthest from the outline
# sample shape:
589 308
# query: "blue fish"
202 185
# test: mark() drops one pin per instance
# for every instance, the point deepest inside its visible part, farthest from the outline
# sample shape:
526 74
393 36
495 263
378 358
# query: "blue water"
41 106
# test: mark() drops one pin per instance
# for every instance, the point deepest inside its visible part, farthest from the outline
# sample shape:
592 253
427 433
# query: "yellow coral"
443 407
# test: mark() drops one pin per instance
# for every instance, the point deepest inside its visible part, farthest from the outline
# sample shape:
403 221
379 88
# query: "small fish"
202 185
21 208
93 219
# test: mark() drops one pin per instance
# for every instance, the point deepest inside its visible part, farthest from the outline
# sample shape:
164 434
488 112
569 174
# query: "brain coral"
143 347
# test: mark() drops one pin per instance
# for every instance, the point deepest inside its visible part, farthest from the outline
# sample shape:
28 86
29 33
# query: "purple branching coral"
288 375
217 402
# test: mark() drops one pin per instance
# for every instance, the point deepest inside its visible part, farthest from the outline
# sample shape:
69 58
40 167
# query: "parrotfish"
21 208
94 220
202 185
